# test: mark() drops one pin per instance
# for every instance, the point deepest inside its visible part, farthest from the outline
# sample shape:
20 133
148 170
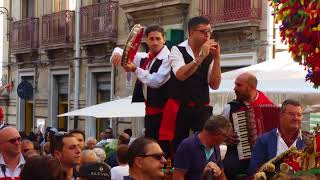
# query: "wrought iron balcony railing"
222 11
57 30
99 22
25 35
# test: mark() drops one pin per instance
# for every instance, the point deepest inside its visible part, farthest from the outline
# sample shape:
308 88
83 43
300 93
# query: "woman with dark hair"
42 167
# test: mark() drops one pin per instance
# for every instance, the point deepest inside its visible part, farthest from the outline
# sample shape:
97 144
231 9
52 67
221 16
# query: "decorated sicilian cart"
294 162
300 29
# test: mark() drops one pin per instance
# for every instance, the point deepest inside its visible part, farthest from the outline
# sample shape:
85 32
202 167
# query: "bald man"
26 145
247 94
91 143
11 159
88 156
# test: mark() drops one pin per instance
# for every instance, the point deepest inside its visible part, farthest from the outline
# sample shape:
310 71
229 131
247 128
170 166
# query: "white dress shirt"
177 60
282 146
155 79
227 108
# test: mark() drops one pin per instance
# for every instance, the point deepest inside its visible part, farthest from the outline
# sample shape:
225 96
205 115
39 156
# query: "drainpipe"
77 61
270 38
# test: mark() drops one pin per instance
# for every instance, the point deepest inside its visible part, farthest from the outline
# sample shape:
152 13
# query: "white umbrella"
312 109
118 108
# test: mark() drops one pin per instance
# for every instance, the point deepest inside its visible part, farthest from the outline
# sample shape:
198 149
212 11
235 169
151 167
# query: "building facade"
43 45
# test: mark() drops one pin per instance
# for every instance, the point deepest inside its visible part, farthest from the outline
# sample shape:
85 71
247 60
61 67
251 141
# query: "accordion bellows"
250 123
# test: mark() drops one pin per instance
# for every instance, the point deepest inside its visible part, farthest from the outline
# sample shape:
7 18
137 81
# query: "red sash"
168 122
169 118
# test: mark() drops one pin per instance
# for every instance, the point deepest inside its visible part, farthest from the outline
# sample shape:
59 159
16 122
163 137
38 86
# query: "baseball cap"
95 171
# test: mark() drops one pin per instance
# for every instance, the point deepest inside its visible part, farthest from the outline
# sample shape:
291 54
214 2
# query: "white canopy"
118 108
280 79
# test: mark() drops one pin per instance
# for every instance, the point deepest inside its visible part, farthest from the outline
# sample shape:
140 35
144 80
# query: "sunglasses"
157 156
3 126
14 140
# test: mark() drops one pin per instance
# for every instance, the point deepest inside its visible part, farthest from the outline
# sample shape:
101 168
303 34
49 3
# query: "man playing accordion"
235 166
153 71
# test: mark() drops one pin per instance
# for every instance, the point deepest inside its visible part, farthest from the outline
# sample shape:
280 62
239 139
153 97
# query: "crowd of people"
175 88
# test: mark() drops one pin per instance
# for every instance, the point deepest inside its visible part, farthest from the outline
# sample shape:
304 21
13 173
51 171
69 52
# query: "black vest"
196 87
155 97
235 105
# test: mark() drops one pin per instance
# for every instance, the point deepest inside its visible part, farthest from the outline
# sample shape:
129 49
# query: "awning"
117 108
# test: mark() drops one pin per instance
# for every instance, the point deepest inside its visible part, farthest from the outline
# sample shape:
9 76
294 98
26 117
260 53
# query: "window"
27 9
56 5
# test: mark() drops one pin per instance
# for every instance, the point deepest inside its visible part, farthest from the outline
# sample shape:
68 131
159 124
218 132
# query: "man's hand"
129 67
116 59
232 138
211 166
205 49
214 49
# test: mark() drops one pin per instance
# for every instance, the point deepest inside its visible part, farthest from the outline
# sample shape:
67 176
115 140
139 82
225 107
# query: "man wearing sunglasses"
195 66
11 159
199 154
146 160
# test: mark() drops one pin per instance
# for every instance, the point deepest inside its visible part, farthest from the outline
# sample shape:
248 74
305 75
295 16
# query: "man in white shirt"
153 71
11 159
247 94
278 140
195 66
118 172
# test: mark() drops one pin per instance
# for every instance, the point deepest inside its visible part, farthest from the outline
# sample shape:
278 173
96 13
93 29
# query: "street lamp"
4 10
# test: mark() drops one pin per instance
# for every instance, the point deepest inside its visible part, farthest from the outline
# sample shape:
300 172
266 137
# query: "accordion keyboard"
240 127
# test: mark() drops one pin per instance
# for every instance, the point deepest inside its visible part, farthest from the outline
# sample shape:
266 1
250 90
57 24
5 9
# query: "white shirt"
155 79
177 60
227 108
282 146
118 172
8 173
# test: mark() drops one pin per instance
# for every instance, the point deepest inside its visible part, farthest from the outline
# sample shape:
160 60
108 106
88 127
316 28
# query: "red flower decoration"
300 29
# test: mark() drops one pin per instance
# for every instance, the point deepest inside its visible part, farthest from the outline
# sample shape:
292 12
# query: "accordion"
250 123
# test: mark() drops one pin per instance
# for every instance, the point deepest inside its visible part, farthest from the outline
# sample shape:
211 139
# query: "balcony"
225 11
99 23
57 30
161 12
25 36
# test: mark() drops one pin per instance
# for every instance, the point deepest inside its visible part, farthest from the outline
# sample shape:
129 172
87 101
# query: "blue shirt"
191 157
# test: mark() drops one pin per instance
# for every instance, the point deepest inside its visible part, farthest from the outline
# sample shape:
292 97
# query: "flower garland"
300 29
